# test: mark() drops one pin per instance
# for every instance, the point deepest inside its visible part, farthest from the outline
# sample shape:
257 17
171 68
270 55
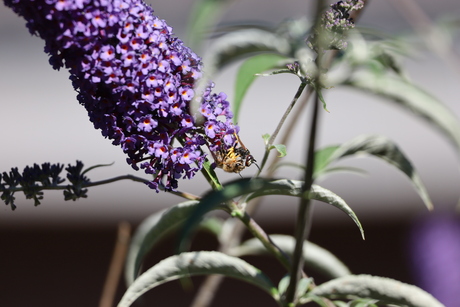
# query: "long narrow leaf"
412 98
385 149
236 45
294 188
247 74
196 263
386 290
260 187
315 256
204 14
215 198
322 158
150 231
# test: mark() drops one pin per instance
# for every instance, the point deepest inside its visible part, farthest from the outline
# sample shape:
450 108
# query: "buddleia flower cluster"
335 23
136 80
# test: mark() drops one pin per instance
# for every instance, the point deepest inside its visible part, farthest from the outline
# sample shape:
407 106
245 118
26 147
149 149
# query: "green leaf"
321 98
216 198
280 148
236 45
213 225
383 148
322 158
150 231
386 290
341 169
211 175
247 74
260 187
232 47
326 171
324 195
302 287
204 15
266 138
412 98
197 263
294 188
315 257
340 304
364 302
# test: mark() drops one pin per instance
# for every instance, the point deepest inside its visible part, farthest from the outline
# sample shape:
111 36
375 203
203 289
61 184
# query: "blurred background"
57 254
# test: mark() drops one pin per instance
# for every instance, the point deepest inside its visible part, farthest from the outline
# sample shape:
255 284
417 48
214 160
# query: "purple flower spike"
135 79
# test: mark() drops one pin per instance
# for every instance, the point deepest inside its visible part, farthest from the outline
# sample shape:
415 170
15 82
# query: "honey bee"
234 159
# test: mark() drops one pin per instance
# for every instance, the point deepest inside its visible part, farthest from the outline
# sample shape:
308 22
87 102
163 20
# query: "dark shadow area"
67 267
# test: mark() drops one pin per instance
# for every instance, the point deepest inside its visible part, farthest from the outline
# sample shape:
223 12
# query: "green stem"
270 141
260 234
285 138
304 212
303 223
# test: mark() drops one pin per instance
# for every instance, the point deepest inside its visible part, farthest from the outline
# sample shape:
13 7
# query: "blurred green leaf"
247 74
412 98
156 227
363 302
197 263
259 187
266 138
386 290
150 231
281 149
343 169
213 225
340 304
204 15
316 257
302 287
321 98
237 45
216 198
322 157
211 175
378 55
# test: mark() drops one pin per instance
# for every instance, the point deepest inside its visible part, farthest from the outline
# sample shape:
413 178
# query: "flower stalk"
303 223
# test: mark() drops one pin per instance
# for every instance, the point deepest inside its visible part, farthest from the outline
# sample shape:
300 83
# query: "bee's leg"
238 141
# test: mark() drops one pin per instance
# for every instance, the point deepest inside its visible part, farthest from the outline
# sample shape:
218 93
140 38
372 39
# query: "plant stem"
209 287
106 181
270 141
287 134
116 265
304 213
260 234
303 223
